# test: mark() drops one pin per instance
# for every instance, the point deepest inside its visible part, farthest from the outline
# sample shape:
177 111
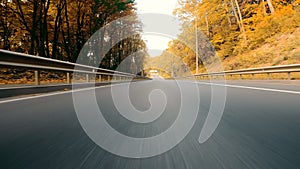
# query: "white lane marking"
293 83
57 93
252 88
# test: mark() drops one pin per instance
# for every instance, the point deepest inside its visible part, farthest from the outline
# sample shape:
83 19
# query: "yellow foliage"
219 20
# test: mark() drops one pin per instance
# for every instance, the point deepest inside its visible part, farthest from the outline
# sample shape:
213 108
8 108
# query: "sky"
156 43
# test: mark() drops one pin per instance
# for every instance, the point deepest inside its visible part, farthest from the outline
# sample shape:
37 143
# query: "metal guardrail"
19 60
288 69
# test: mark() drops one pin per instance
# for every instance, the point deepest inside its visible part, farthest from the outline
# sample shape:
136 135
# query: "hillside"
240 34
281 49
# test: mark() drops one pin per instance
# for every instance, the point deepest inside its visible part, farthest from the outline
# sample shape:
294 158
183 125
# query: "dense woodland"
59 29
242 33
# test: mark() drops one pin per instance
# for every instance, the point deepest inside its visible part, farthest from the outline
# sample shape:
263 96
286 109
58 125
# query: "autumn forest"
58 29
241 33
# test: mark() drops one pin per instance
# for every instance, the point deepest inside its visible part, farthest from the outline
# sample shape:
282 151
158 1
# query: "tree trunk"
235 15
264 7
241 21
207 24
41 46
33 29
46 28
57 25
68 39
271 6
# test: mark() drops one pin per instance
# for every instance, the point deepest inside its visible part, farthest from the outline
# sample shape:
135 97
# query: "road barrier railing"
268 71
9 59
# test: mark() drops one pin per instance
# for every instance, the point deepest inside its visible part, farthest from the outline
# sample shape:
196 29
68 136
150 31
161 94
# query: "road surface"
260 129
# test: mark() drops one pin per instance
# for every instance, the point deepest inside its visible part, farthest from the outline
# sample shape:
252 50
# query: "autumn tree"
233 26
59 29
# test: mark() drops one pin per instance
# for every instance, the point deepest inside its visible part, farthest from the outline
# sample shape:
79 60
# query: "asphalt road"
260 129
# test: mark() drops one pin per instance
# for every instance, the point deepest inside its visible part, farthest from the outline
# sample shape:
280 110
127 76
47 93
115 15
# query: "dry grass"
279 50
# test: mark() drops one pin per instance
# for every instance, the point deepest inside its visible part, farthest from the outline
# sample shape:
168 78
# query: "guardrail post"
100 78
268 76
108 77
68 78
252 75
241 77
37 77
87 78
289 75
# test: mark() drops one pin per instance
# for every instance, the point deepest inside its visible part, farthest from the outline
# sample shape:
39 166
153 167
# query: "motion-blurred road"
260 129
